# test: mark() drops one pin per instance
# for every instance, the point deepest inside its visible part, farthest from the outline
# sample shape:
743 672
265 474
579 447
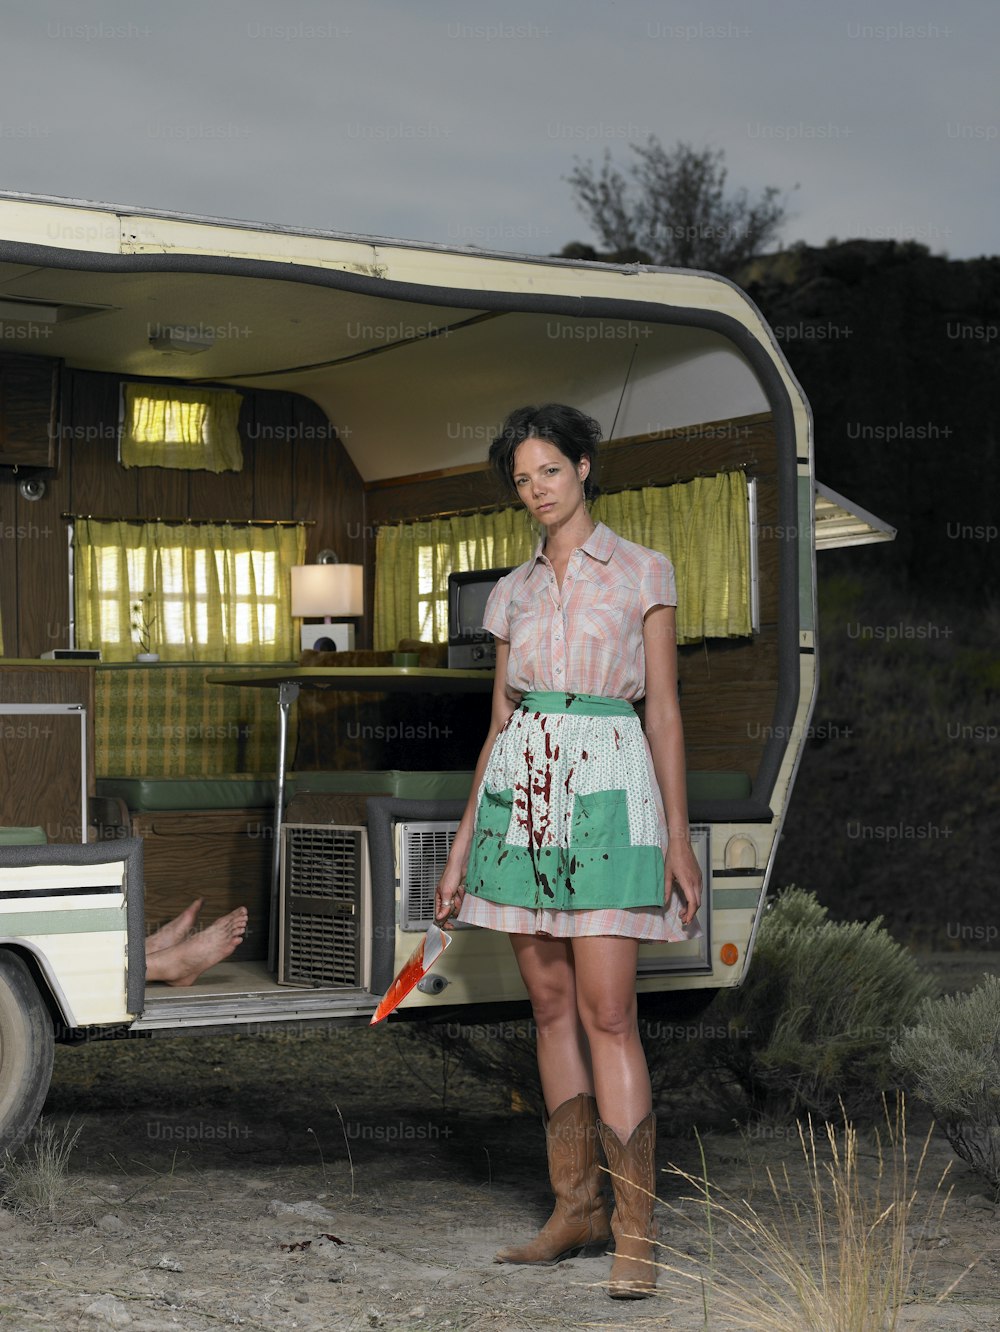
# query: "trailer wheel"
26 1051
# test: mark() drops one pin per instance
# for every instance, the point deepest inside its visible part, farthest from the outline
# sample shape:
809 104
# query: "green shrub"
953 1056
813 1023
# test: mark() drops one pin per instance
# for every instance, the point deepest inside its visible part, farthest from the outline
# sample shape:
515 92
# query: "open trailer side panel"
682 362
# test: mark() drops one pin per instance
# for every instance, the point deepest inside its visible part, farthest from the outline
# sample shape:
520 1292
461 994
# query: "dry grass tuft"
842 1255
36 1183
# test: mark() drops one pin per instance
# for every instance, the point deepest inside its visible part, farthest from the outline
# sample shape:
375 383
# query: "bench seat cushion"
151 793
393 782
23 837
250 792
254 792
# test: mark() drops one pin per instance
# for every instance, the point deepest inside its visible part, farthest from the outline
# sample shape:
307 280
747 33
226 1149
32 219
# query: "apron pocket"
496 808
600 820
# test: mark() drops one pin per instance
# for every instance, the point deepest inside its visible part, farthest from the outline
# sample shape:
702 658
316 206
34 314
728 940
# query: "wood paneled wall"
41 780
294 467
649 460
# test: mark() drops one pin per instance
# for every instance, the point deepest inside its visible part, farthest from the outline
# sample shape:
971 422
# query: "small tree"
679 214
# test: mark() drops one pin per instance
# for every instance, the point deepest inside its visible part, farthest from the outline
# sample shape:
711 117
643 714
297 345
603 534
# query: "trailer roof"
456 334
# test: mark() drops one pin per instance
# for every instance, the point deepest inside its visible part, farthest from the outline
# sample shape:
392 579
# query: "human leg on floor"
174 930
181 963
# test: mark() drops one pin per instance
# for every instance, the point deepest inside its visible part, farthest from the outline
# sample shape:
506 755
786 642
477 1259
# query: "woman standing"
566 843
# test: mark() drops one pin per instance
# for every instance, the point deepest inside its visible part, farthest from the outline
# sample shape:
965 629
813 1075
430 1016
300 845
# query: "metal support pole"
288 692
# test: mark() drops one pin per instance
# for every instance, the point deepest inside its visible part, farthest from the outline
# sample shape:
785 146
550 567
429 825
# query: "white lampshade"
328 589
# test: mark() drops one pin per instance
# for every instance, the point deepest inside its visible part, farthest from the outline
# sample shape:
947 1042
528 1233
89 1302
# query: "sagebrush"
812 1025
952 1056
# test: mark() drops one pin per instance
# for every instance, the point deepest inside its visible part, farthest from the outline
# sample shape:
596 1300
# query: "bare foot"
184 962
175 930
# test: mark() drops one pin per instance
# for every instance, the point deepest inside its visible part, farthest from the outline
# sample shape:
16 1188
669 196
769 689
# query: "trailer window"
167 425
211 591
703 526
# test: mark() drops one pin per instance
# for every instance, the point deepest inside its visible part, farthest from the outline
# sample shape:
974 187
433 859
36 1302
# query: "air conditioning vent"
423 853
325 894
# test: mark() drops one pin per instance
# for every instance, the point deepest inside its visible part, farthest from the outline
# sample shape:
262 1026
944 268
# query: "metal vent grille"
323 862
322 882
321 950
423 853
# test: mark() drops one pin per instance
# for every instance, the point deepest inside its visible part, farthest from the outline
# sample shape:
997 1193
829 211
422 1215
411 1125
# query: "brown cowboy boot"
631 1166
580 1218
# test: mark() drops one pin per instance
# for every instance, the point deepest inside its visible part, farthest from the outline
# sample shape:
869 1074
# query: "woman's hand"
450 891
448 897
683 869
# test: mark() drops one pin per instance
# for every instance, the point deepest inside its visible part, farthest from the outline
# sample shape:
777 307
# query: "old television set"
470 647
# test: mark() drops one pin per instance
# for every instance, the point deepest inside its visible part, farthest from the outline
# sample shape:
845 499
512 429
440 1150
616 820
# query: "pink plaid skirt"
649 924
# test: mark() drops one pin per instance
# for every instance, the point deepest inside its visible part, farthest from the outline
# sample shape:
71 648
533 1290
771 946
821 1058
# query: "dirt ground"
346 1180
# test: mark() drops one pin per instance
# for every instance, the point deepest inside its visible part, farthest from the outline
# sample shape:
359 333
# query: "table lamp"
330 590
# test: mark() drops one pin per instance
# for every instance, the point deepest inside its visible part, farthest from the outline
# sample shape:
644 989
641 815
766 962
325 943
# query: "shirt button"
558 670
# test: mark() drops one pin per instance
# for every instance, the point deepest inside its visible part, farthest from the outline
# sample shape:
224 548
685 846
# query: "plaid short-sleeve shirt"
587 638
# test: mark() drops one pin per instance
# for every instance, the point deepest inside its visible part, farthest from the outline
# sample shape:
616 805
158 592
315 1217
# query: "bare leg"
605 987
184 962
175 930
547 969
579 1220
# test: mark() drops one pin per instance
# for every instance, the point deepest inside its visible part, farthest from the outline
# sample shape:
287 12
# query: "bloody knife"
413 970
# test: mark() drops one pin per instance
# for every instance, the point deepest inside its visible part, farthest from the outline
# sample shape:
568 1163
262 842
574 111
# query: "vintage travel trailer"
366 377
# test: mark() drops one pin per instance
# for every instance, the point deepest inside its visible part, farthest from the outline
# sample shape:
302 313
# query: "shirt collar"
599 545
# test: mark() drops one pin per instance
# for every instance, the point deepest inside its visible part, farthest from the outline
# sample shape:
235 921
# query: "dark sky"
457 122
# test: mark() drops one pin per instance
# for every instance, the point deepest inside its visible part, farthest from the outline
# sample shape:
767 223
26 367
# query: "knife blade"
413 970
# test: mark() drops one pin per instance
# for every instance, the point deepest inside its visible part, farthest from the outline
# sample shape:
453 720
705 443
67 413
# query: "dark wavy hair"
572 432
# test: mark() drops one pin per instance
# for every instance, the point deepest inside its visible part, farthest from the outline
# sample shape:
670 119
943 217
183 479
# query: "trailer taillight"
729 954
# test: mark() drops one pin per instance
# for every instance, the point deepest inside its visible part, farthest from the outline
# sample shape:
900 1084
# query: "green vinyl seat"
23 837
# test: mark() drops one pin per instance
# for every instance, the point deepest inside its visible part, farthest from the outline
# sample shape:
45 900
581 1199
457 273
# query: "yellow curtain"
701 525
170 425
213 592
413 561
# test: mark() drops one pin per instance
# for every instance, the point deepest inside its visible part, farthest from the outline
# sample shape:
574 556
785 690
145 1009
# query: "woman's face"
549 485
